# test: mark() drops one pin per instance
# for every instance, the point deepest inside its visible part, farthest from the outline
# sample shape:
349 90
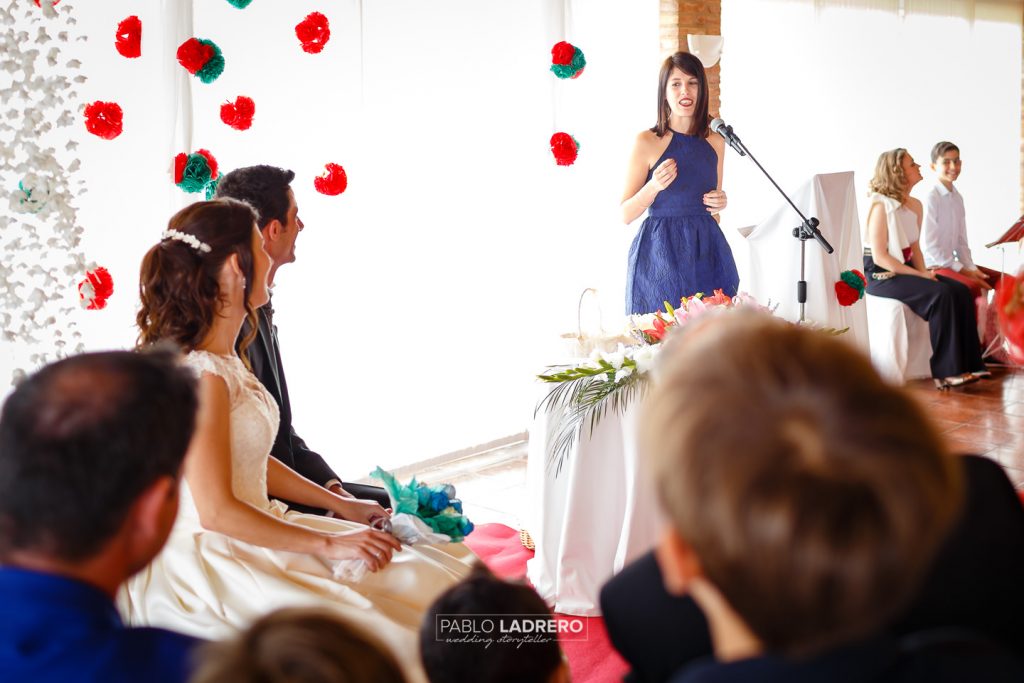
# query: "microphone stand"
805 231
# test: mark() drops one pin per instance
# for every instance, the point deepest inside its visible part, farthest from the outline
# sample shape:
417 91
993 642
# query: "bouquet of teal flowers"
436 507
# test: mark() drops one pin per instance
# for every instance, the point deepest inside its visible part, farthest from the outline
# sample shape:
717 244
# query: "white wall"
827 85
426 297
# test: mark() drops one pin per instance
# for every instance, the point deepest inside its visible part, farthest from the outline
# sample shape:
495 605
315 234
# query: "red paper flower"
238 114
1010 306
55 3
332 181
562 53
565 148
846 294
95 289
103 119
128 39
193 55
313 32
179 167
211 162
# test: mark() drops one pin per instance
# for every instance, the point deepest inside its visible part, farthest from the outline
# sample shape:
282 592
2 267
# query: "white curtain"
818 86
425 297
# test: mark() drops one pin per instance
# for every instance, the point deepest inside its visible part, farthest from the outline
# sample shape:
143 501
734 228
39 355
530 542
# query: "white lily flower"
644 357
616 358
622 373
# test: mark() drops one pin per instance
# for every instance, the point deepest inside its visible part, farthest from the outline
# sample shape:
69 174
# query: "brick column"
702 17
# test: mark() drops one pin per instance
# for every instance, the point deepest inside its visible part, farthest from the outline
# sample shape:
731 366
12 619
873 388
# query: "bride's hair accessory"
190 240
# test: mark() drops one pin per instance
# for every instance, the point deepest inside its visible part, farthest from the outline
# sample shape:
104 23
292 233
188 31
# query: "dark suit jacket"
55 629
975 584
265 358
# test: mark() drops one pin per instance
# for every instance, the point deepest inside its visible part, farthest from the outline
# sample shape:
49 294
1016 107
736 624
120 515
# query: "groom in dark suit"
91 450
268 190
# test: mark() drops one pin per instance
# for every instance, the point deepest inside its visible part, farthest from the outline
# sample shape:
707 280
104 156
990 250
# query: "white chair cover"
900 345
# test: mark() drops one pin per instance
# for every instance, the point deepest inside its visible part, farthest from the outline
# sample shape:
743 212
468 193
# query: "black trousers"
948 307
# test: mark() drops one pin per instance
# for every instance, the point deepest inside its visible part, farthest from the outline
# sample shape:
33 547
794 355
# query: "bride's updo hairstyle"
179 280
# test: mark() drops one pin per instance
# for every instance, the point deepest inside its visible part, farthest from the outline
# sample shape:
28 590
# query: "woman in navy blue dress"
675 174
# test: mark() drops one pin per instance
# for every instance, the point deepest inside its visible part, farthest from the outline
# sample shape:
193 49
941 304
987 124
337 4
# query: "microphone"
719 126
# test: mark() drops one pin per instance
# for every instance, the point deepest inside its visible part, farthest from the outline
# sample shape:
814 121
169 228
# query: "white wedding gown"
207 584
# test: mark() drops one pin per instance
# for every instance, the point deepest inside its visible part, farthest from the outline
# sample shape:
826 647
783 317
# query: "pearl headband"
190 240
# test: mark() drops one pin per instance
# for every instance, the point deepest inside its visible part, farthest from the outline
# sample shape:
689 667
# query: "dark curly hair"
178 284
264 187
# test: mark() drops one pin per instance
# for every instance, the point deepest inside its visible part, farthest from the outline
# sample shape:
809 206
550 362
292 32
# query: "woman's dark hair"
691 66
178 283
484 658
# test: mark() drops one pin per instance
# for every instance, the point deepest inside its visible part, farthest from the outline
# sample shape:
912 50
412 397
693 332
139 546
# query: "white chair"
901 347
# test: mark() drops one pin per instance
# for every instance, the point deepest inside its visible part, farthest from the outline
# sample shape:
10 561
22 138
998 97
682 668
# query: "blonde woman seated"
895 269
234 554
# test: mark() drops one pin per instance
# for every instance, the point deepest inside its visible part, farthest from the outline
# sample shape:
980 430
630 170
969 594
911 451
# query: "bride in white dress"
234 554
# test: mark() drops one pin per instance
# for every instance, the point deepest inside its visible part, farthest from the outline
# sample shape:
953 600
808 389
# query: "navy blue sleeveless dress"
680 250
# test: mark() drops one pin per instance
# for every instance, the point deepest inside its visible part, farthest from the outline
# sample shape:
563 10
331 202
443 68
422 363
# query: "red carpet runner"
591 661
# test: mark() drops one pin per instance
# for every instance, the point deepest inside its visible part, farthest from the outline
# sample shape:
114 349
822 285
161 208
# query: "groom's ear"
272 231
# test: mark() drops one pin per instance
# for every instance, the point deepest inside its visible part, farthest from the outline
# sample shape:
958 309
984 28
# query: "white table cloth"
597 515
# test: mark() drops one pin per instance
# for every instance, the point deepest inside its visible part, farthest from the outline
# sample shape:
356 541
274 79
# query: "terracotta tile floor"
986 418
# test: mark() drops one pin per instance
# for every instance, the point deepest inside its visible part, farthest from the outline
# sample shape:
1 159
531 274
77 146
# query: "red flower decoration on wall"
210 161
103 119
95 289
55 3
193 55
332 181
565 148
238 114
179 167
313 32
128 40
562 53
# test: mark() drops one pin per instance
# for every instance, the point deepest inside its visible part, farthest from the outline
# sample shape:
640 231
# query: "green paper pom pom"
212 70
240 4
851 278
211 188
196 175
573 68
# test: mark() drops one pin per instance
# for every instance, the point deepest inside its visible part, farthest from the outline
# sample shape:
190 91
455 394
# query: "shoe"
955 381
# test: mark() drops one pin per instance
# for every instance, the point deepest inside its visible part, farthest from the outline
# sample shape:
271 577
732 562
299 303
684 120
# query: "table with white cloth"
593 517
774 256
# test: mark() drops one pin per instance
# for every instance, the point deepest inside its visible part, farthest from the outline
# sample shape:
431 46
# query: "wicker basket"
580 344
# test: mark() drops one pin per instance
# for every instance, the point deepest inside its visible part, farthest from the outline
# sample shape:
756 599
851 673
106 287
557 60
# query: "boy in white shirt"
944 239
944 231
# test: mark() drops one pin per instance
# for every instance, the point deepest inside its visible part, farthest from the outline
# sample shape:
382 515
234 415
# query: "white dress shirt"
944 231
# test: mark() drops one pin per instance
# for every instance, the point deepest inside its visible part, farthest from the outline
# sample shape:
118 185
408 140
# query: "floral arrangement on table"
423 513
611 380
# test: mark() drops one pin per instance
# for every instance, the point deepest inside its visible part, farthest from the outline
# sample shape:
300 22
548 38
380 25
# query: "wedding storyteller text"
507 628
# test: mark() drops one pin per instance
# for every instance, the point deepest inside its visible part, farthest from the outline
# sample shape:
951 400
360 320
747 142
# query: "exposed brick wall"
701 17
